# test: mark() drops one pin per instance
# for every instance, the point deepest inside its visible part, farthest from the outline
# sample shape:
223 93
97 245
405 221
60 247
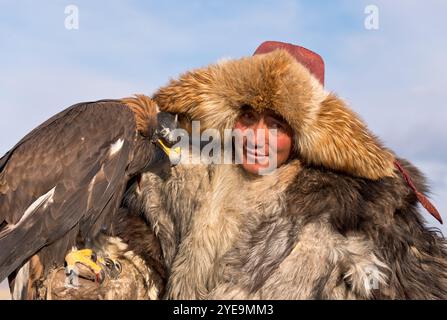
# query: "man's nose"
261 133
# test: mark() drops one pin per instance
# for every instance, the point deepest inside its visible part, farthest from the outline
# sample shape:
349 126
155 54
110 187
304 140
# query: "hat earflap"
337 139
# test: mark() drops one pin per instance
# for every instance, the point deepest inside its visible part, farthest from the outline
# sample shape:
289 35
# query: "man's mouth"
257 152
256 156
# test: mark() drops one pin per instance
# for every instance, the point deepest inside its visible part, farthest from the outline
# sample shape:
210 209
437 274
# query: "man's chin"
262 161
256 168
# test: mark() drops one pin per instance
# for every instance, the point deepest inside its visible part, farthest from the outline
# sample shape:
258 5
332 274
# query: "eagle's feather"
67 177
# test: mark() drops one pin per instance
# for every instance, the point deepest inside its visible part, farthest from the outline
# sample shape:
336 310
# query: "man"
336 218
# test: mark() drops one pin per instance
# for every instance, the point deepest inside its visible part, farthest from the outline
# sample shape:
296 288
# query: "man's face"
271 138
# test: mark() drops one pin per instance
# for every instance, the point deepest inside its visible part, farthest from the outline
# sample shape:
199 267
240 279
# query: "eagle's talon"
85 263
88 265
114 268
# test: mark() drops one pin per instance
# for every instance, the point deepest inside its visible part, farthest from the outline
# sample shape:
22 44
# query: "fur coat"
338 221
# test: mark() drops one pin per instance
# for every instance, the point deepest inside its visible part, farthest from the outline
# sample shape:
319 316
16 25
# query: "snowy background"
395 77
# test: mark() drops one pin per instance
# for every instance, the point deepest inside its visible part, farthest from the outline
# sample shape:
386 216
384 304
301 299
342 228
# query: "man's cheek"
282 142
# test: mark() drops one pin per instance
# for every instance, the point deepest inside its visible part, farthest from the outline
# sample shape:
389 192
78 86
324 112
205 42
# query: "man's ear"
339 140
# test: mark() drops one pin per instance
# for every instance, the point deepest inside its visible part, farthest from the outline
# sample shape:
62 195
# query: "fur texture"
136 281
336 222
320 234
144 110
134 245
356 238
327 133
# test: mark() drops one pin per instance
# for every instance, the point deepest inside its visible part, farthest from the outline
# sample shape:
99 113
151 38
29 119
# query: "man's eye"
248 117
273 123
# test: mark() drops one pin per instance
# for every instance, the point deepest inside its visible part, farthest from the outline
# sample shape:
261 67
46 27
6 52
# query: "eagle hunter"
63 183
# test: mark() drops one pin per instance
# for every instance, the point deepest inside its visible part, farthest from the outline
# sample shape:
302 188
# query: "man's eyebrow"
275 115
247 107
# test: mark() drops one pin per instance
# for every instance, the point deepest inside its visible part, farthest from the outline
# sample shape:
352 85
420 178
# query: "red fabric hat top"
309 59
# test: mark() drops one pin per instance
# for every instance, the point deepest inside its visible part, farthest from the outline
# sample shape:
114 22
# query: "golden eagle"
63 183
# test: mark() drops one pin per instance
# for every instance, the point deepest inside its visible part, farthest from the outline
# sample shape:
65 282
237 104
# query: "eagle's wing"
67 175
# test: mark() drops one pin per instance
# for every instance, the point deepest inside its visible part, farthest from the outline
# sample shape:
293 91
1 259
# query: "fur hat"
326 132
311 60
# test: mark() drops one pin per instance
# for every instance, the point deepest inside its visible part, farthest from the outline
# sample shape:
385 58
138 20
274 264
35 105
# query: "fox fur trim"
327 132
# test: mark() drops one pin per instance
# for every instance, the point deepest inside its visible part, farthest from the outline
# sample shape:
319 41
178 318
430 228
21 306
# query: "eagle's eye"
164 132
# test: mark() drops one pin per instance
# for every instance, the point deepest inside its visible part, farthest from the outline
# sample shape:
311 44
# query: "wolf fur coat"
337 221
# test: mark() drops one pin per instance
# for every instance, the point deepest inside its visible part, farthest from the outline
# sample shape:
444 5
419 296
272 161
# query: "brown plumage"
64 182
145 112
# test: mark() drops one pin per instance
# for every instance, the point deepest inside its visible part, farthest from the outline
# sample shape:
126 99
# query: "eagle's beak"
173 153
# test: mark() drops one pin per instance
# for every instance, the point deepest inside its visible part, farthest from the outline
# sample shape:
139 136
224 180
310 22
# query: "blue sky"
394 77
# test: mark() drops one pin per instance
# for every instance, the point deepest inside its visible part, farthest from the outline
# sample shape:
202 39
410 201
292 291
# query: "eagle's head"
165 137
